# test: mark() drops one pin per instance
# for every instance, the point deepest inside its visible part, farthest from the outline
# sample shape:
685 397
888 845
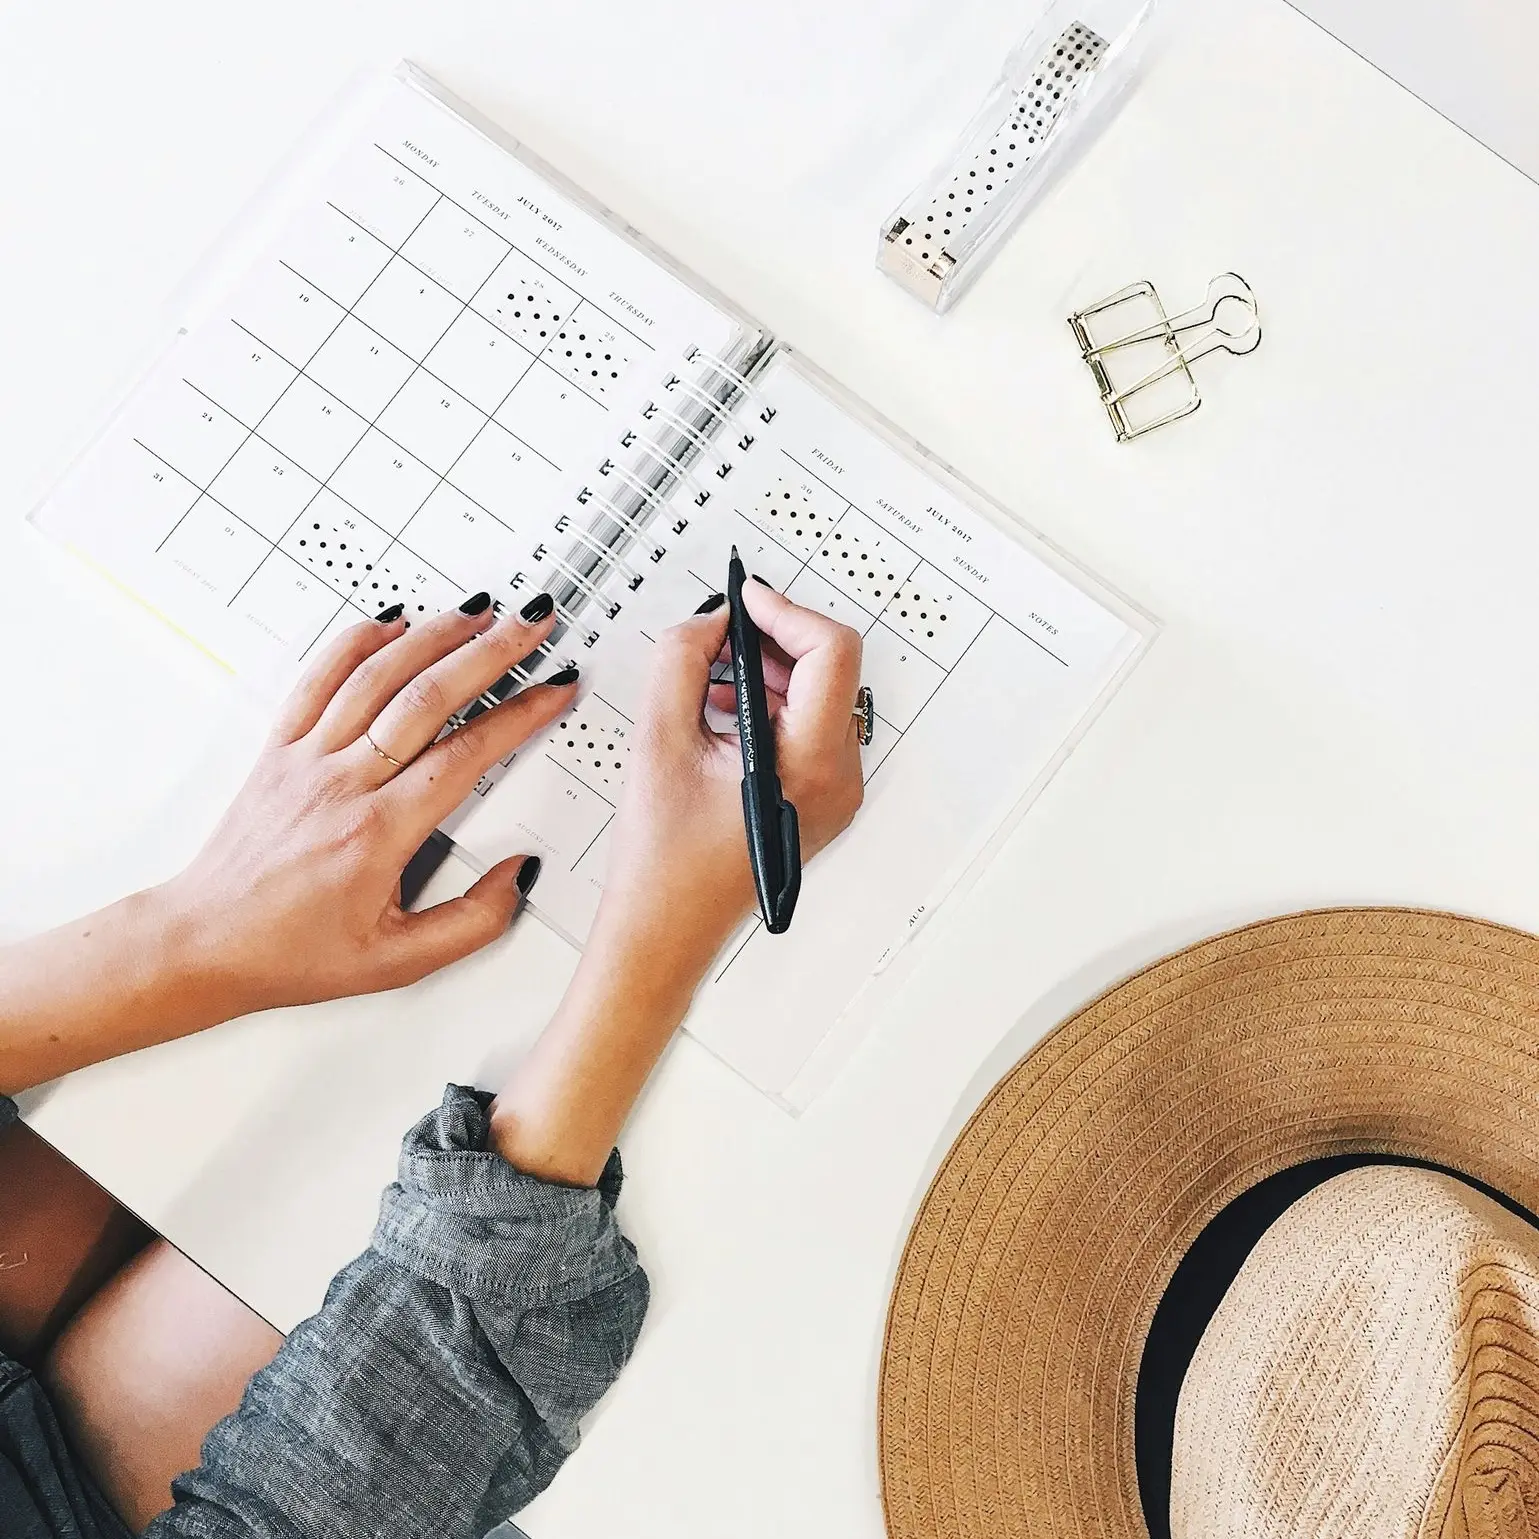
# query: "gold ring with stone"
865 715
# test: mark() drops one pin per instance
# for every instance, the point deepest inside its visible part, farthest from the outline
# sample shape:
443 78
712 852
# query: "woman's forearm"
679 880
296 895
561 1111
125 977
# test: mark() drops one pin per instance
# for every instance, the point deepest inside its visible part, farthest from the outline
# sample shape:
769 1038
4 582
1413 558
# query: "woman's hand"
299 886
678 864
296 896
679 880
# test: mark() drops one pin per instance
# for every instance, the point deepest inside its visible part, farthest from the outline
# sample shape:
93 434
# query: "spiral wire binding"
592 556
581 582
676 466
649 494
720 366
638 532
568 616
606 553
684 430
708 402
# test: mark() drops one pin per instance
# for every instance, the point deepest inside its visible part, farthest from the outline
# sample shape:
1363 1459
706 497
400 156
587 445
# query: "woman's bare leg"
143 1372
61 1237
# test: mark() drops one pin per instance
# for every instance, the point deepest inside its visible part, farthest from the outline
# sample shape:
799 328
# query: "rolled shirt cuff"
461 1216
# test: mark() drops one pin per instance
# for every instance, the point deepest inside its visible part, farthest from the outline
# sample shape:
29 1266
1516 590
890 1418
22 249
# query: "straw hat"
1377 1346
1373 1369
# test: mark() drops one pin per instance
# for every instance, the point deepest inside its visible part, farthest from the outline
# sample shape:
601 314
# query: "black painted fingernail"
477 603
528 875
767 583
388 616
568 675
537 608
714 602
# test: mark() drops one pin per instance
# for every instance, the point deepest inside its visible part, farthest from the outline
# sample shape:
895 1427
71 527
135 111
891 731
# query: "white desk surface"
1341 544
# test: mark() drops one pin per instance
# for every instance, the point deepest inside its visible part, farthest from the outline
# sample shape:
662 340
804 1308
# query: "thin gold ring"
865 716
381 752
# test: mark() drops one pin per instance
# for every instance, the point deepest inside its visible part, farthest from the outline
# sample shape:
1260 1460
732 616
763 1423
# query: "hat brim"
1054 1223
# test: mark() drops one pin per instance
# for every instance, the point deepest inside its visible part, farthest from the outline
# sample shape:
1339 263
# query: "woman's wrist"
161 955
188 968
560 1113
140 971
664 943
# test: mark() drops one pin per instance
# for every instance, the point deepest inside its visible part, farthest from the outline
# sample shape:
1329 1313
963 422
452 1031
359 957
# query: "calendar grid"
325 481
229 512
395 443
469 214
538 357
397 539
422 365
275 546
251 431
276 450
1003 619
328 594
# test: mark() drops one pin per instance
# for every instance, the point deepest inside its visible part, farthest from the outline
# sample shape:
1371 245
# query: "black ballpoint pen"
774 838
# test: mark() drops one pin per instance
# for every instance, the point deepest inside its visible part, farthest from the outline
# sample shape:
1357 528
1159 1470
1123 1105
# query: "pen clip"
778 920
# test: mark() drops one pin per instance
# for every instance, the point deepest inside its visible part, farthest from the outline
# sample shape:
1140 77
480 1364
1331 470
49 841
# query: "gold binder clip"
1226 320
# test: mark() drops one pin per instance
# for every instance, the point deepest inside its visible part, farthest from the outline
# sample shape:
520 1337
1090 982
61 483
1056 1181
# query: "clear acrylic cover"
1060 82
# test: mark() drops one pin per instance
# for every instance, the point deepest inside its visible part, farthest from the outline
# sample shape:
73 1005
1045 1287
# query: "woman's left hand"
296 896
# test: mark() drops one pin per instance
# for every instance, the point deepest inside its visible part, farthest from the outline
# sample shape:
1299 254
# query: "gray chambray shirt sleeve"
440 1387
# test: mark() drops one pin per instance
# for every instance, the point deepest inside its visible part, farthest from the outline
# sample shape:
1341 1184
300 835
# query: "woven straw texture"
1372 1373
1054 1223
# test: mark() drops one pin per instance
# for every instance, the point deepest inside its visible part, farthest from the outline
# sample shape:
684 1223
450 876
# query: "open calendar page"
392 401
444 370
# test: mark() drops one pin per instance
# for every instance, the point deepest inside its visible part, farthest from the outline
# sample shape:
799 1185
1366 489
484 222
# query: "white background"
1474 60
1341 545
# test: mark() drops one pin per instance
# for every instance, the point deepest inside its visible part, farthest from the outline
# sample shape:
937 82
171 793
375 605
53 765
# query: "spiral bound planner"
429 365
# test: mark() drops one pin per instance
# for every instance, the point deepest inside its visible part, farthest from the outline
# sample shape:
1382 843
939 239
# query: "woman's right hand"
678 865
679 881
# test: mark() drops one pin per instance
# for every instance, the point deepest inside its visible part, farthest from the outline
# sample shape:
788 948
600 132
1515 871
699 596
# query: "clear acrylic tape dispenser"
1063 79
